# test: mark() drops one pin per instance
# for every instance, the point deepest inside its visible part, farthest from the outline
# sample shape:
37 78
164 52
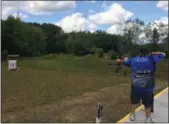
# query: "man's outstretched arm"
158 56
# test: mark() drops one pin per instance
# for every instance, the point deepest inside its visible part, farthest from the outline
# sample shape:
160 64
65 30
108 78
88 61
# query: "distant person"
142 79
119 64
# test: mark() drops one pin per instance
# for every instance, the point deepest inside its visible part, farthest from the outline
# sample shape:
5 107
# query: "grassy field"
65 88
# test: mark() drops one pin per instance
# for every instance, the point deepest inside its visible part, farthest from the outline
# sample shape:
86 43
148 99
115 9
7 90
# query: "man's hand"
157 53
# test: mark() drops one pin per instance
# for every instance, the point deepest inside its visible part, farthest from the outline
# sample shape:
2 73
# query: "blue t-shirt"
143 71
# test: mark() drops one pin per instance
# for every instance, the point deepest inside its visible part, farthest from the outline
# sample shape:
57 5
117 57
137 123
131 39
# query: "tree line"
34 39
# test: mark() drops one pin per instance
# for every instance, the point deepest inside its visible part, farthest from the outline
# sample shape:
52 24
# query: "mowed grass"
57 88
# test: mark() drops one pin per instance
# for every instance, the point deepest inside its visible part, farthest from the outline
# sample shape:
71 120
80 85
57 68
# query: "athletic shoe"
149 120
152 110
132 117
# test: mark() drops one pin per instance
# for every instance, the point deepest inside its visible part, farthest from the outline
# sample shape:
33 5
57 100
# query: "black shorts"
146 97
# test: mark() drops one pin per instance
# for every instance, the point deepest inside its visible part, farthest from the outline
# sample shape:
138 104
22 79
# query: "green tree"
131 32
55 38
155 39
9 27
77 43
34 39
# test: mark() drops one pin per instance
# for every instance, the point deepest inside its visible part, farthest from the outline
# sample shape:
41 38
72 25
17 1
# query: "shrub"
94 50
4 55
112 55
98 52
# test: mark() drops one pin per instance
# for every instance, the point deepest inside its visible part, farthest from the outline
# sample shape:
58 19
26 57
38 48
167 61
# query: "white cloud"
157 24
118 28
5 12
9 11
163 20
36 7
163 30
92 1
92 27
76 22
104 5
112 29
48 7
113 15
163 5
21 15
142 35
91 11
138 2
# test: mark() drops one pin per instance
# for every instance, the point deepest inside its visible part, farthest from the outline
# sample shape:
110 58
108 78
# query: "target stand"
12 62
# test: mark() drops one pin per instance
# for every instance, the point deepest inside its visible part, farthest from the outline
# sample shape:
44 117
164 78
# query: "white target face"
12 64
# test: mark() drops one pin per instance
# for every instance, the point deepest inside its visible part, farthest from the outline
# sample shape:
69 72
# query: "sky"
87 15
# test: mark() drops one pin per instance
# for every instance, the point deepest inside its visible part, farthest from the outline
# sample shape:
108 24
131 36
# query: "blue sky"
81 11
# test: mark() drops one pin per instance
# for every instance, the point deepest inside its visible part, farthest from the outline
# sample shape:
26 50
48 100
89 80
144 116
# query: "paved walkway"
160 110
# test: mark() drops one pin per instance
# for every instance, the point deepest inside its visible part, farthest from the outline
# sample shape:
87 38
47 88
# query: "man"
152 100
119 64
142 79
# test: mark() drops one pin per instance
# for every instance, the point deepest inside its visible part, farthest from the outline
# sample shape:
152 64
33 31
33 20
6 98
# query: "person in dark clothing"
119 64
152 101
142 79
